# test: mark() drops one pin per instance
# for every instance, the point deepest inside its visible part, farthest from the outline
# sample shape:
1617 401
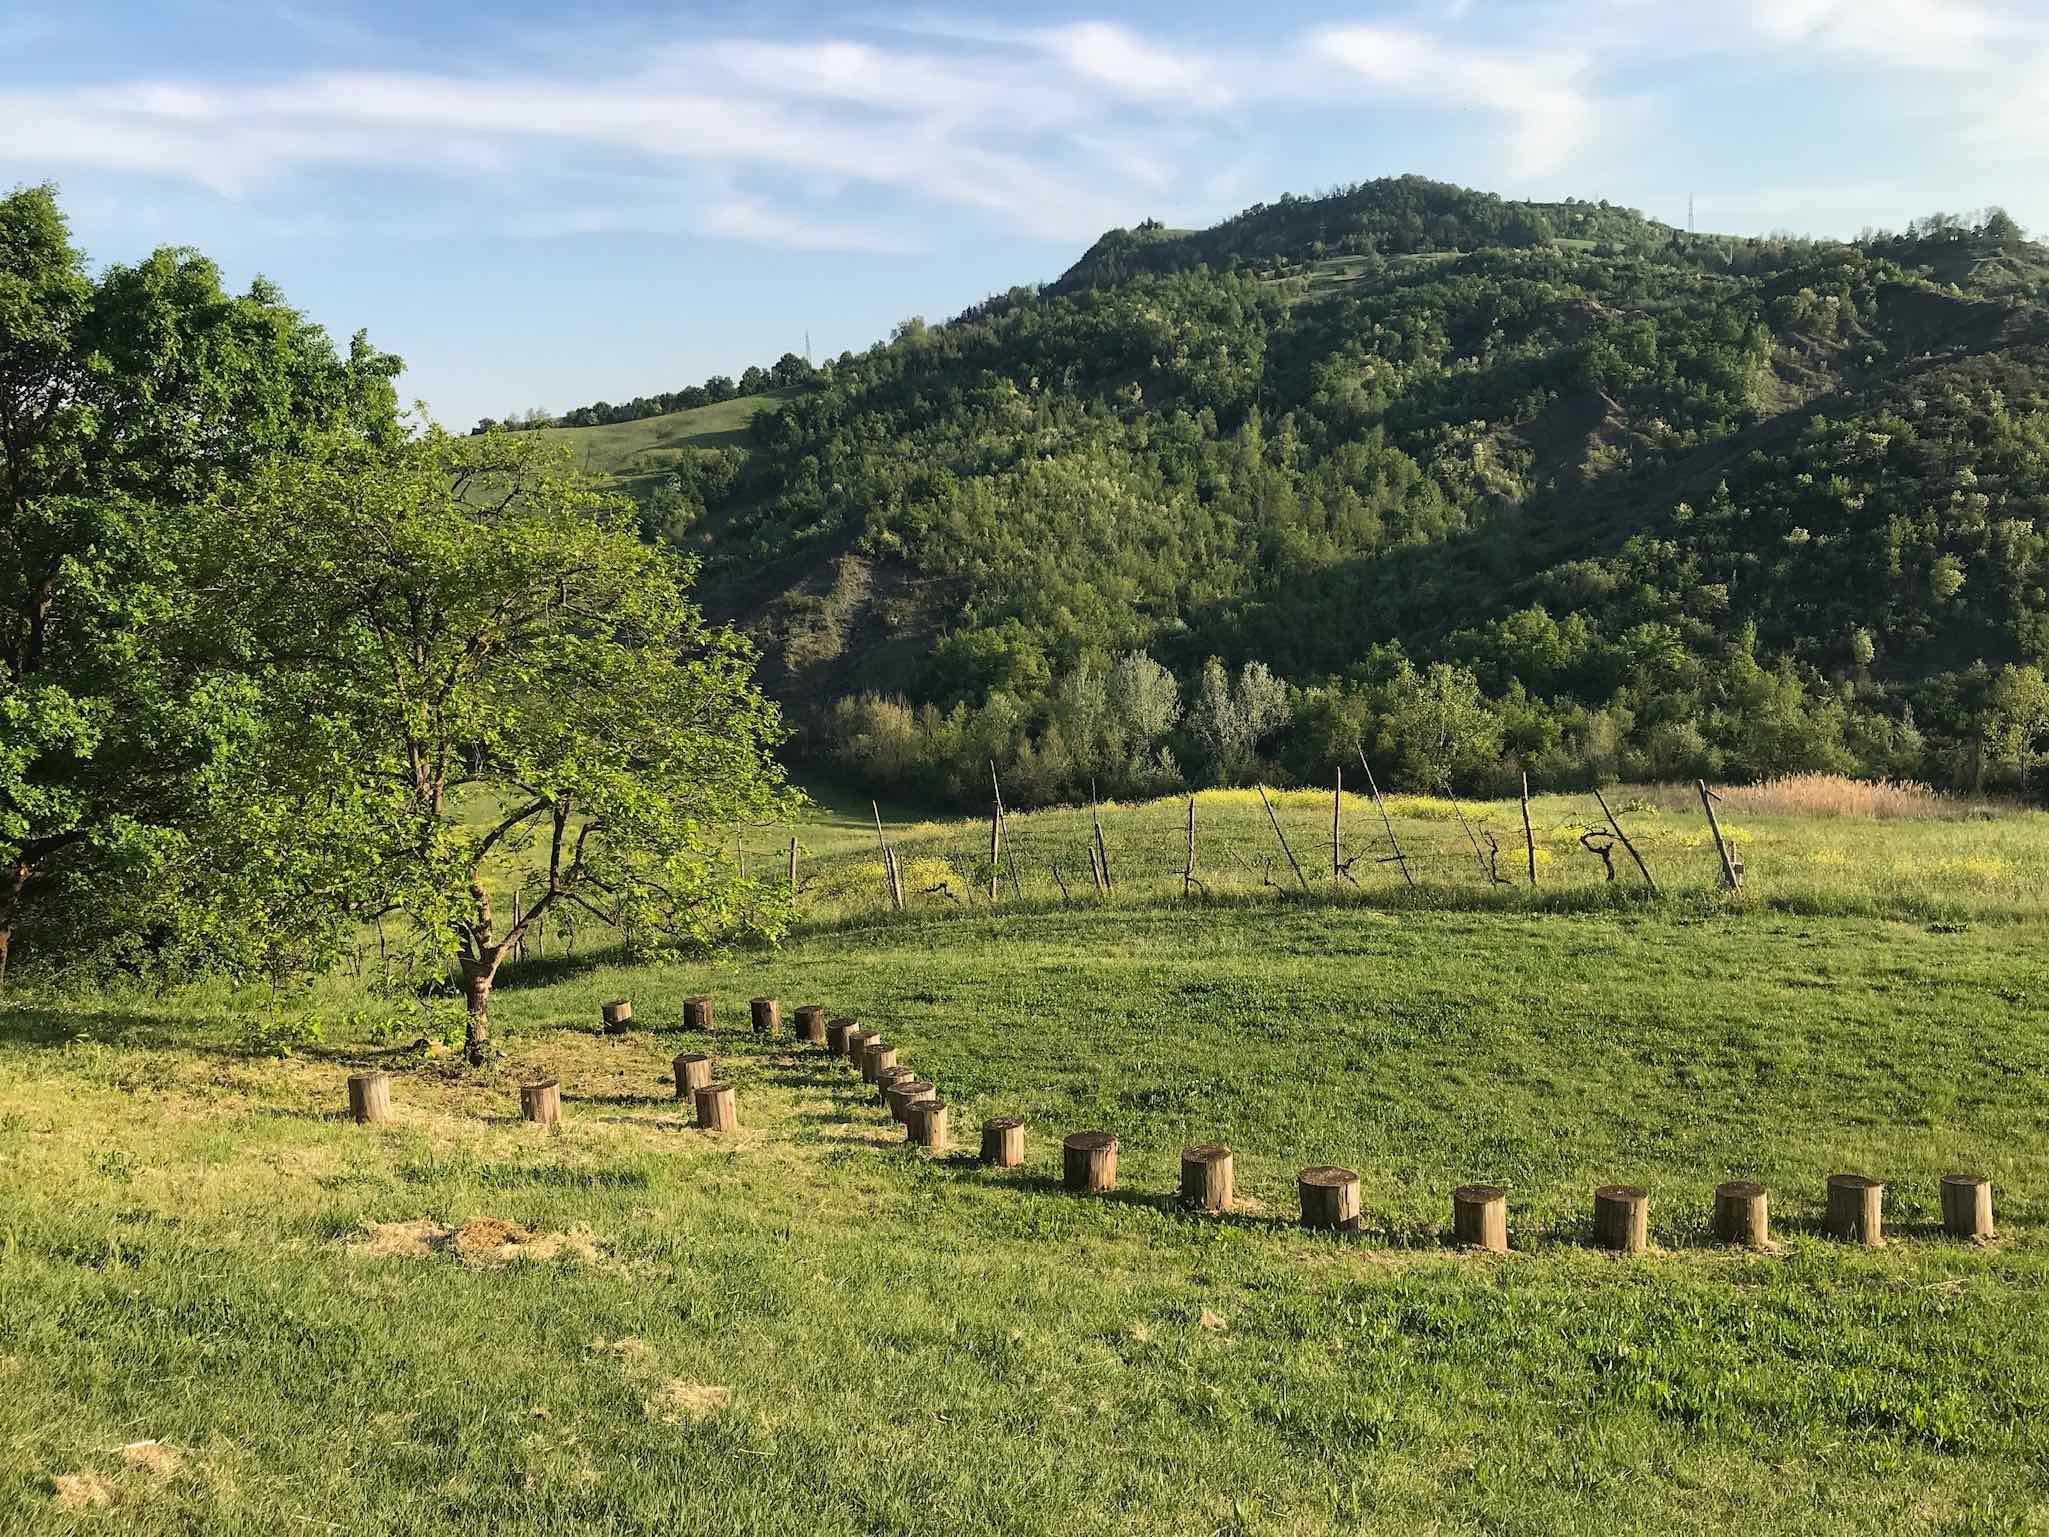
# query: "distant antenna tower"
807 346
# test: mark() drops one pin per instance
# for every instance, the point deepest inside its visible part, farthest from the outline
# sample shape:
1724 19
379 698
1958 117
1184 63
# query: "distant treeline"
787 372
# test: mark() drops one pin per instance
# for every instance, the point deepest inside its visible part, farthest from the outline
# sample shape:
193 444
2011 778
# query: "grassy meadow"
224 1307
631 452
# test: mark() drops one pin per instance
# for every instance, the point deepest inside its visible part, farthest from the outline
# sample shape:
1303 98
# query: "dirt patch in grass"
676 1402
156 1458
485 1241
81 1491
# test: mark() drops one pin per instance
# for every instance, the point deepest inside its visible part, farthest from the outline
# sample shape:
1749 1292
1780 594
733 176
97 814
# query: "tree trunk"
477 979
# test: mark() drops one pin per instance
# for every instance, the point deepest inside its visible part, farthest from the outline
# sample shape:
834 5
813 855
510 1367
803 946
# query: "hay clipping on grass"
486 1241
676 1402
82 1491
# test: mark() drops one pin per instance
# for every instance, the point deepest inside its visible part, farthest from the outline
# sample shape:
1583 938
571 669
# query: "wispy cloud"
1922 34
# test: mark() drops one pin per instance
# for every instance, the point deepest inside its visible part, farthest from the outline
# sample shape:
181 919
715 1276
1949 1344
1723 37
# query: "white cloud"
1119 58
1923 34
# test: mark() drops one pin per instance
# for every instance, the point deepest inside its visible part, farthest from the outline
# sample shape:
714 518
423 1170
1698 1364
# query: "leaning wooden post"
1337 829
1855 1209
1743 1213
697 1014
717 1108
1003 1142
1529 838
369 1097
1188 870
693 1072
1479 1218
541 1103
811 1024
925 1125
995 848
857 1039
1102 853
1622 1218
1642 868
793 869
616 1014
1299 876
1206 1177
876 1054
1967 1206
1003 828
1460 812
1088 1161
1330 1199
1385 820
1707 804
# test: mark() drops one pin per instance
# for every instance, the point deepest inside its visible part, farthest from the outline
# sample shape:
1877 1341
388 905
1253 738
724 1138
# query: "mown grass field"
631 1326
627 452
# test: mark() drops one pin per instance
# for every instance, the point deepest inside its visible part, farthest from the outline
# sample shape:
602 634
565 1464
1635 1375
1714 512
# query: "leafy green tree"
1231 720
1439 727
131 407
501 671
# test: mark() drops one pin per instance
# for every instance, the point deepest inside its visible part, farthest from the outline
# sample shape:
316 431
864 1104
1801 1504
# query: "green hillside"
1490 487
640 454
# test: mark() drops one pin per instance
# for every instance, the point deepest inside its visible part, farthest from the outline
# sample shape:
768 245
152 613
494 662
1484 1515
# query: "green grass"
630 451
912 1343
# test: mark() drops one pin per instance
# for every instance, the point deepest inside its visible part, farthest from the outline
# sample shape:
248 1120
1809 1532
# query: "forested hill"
1488 486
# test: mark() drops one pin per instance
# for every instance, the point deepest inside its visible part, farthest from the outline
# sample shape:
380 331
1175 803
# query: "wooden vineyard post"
1102 853
693 1072
995 849
1206 1177
1330 1199
1299 876
1642 869
1967 1206
811 1024
767 1013
541 1103
887 1079
1003 1142
369 1098
793 869
1188 870
1743 1214
876 1054
1622 1218
1707 804
1386 821
890 877
925 1125
1529 838
836 1036
1855 1209
617 1015
1088 1161
1479 1218
1460 812
1337 829
1003 835
906 1092
697 1014
717 1109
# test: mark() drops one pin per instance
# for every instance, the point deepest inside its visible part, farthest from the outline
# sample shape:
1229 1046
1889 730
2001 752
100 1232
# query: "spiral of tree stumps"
1088 1161
1003 1142
369 1097
693 1072
697 1014
836 1035
1206 1177
876 1054
617 1015
887 1079
1967 1206
717 1108
767 1016
541 1103
1743 1214
1855 1204
1622 1218
1479 1218
811 1024
925 1124
1330 1199
906 1092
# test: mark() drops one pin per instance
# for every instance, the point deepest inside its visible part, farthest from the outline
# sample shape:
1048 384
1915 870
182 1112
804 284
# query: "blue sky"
539 210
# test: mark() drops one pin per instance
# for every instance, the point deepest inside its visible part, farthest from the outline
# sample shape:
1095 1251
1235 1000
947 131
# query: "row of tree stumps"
1329 1195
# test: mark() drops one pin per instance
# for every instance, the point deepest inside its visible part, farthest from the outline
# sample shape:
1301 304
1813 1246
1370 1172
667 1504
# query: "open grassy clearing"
628 451
191 1249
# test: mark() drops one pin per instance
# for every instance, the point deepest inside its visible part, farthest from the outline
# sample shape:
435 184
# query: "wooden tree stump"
617 1014
541 1103
1622 1218
876 1054
811 1024
693 1072
1479 1218
888 1079
1003 1142
1088 1160
857 1040
697 1014
1743 1214
906 1092
1967 1206
369 1097
925 1124
836 1035
717 1109
1206 1177
768 1019
1855 1205
1330 1199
